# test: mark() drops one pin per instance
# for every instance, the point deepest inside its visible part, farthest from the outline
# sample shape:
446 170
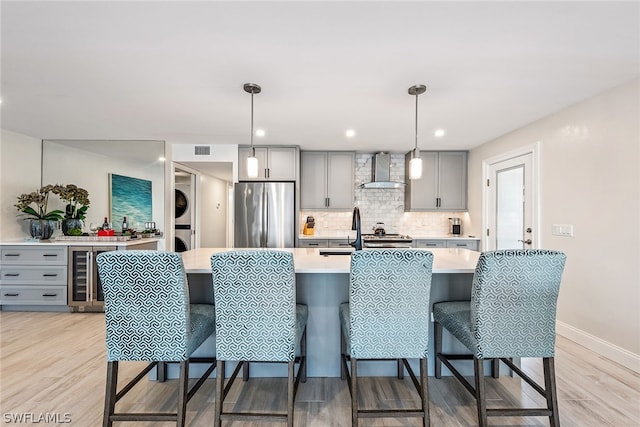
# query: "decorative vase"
72 227
42 229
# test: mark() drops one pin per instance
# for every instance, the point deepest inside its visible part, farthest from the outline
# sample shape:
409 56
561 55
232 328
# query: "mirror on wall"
90 163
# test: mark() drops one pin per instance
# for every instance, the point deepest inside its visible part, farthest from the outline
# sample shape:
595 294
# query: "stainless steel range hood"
381 173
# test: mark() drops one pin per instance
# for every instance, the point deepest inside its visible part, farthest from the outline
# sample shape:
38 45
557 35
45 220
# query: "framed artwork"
130 197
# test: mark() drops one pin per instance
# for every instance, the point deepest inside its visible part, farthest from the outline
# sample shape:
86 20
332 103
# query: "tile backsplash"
381 205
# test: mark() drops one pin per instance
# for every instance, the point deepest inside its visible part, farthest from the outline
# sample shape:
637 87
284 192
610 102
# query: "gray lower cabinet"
274 163
339 243
467 244
327 180
33 275
420 243
313 243
443 186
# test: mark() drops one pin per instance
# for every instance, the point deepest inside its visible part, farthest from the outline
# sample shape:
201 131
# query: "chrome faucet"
355 225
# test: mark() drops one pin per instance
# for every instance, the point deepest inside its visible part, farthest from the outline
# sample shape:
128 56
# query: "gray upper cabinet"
443 186
327 179
274 163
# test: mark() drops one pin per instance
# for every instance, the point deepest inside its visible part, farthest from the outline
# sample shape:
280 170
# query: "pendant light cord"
253 150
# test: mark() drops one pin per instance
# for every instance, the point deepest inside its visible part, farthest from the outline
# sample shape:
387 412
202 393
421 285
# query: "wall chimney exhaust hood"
381 173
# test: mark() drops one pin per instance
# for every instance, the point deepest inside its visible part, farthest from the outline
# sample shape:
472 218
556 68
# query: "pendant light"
252 161
415 164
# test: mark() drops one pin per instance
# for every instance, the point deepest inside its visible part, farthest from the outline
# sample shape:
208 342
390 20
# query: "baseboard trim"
606 349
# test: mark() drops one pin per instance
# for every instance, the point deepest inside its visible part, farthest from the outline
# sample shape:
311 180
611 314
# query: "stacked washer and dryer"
183 226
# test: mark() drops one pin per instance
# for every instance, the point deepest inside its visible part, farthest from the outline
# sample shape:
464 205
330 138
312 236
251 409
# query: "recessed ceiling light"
260 132
350 133
439 133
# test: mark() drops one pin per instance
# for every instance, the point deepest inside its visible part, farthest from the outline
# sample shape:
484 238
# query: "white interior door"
511 204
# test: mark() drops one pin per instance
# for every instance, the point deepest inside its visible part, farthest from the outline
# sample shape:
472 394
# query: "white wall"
589 170
17 177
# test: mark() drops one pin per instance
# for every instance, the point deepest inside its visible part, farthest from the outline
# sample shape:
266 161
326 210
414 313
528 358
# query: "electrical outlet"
565 230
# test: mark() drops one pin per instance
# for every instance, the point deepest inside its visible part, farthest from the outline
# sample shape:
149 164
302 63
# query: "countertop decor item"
33 206
77 200
39 199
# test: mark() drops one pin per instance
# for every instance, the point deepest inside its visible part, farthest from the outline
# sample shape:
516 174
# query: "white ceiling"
174 71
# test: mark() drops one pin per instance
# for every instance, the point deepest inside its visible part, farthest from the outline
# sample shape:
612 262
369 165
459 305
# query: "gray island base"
322 284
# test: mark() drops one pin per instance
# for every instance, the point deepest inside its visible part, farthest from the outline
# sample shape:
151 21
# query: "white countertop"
308 260
413 236
99 241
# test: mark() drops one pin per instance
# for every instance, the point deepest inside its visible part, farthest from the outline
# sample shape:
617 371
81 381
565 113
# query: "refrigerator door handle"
263 232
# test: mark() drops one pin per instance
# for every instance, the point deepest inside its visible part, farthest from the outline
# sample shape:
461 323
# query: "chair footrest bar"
150 416
514 412
252 416
391 413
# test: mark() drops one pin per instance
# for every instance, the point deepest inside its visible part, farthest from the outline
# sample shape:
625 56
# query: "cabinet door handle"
49 295
12 274
50 275
11 295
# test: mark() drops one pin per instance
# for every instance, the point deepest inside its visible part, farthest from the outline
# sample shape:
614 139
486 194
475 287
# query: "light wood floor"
55 363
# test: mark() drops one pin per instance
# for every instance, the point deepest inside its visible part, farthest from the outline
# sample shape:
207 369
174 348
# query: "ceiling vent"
381 173
202 150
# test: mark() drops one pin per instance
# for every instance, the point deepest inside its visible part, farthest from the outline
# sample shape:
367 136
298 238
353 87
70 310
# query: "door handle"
526 242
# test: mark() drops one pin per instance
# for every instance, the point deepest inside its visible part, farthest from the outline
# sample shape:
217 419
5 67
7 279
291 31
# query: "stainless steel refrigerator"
264 215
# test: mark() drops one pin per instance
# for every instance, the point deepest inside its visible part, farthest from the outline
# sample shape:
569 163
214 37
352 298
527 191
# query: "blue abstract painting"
130 197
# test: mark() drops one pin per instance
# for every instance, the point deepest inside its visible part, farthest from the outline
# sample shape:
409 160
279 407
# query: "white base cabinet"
33 276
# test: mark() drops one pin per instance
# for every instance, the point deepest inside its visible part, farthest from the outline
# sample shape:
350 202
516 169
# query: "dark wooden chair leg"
219 392
110 393
495 368
437 338
478 371
290 394
245 371
354 392
424 382
400 369
550 390
303 356
161 371
183 388
343 352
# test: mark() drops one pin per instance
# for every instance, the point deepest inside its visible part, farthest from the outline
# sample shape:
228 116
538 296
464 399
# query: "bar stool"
512 313
387 317
149 318
257 320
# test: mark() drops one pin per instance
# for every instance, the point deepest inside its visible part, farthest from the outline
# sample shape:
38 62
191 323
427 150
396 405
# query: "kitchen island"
322 283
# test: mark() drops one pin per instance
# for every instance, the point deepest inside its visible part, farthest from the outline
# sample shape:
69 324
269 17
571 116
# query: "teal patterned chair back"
146 305
255 298
513 303
389 303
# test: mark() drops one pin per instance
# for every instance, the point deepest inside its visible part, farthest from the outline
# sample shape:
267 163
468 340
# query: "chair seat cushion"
202 325
455 316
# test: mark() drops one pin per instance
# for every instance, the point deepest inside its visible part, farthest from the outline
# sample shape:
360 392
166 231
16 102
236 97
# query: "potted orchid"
33 206
77 200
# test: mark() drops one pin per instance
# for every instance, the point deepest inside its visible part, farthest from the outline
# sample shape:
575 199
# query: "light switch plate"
565 230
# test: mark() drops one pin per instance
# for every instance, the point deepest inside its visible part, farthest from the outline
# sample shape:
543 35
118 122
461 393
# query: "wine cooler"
85 289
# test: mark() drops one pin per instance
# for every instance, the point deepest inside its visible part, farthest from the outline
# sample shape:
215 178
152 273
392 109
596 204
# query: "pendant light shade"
415 164
252 161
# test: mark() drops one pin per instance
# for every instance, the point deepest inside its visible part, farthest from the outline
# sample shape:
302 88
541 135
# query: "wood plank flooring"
54 363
